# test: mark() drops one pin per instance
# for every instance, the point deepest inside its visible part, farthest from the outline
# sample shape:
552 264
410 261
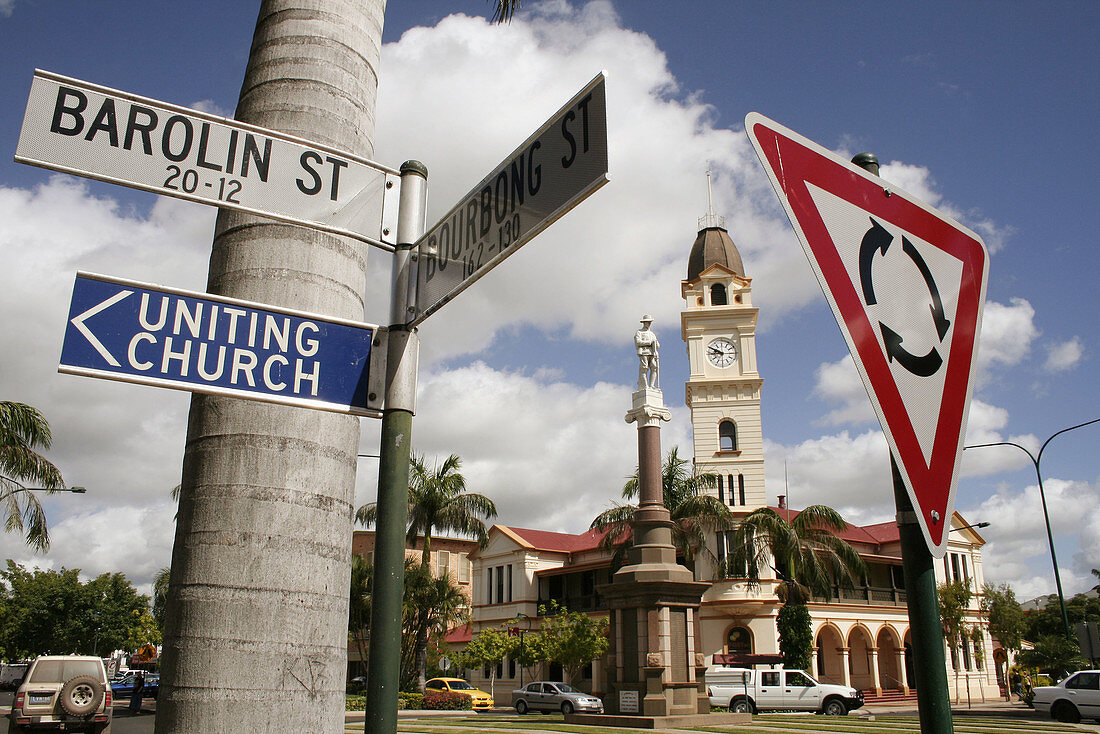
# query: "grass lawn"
763 724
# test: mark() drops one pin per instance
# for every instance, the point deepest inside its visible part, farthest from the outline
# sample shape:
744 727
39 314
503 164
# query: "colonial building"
861 634
448 557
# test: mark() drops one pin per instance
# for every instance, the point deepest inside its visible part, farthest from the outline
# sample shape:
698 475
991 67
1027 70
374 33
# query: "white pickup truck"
744 690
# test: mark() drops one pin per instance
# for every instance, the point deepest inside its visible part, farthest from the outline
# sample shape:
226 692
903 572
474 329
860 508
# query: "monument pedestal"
656 670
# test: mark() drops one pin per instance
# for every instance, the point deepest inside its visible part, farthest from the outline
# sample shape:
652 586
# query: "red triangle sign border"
793 162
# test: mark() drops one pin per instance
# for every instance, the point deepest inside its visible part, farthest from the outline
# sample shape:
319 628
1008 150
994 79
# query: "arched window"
739 641
718 295
727 436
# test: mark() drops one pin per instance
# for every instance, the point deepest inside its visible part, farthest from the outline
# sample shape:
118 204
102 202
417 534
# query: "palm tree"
695 513
438 500
431 607
160 595
504 10
22 430
807 556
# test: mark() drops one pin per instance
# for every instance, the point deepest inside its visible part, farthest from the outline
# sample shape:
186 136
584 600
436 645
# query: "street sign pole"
384 664
921 598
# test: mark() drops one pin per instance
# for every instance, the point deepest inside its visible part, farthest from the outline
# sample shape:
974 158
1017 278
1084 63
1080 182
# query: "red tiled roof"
884 532
457 635
561 542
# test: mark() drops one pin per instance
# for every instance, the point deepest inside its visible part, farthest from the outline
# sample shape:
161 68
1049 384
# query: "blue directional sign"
136 332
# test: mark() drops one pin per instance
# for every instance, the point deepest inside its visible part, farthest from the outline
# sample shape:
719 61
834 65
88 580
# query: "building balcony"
872 595
577 603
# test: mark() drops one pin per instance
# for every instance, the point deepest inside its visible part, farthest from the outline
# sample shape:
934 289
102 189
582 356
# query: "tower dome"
713 243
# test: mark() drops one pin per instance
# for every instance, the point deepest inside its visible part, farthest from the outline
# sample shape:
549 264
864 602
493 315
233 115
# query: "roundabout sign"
907 286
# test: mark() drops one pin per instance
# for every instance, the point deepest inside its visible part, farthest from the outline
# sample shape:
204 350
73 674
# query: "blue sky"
986 110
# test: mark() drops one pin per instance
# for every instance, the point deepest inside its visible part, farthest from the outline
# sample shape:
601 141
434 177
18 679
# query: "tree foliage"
23 430
796 638
486 649
808 557
359 606
1048 620
1007 621
695 513
1054 653
571 639
438 500
55 612
430 607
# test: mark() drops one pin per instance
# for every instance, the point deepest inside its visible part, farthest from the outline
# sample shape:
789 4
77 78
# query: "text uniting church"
861 635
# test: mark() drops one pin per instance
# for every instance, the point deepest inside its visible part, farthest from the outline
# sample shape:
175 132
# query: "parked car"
124 688
66 693
554 695
481 699
10 674
1075 698
744 690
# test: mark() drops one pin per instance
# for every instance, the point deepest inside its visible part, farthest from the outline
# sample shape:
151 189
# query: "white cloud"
6 8
1017 537
1007 333
845 471
614 256
209 105
1064 356
839 382
551 454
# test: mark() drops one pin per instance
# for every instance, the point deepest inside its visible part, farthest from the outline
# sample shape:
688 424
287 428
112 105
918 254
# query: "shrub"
356 703
447 701
413 700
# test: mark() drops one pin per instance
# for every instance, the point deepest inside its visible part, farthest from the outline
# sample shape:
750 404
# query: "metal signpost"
563 163
907 285
558 167
135 332
93 131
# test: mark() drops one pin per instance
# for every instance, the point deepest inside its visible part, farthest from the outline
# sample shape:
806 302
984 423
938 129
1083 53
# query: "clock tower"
718 324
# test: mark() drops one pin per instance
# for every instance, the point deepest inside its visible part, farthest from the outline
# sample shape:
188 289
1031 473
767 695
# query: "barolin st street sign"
101 133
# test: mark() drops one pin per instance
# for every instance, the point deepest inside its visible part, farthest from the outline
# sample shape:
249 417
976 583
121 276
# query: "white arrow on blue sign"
136 332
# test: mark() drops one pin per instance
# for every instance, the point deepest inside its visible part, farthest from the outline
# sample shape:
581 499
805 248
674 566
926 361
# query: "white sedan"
1075 698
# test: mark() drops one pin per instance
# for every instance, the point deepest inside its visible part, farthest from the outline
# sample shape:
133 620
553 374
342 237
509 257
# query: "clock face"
722 352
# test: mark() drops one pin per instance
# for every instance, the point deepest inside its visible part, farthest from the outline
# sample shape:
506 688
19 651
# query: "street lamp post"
1035 459
521 633
74 490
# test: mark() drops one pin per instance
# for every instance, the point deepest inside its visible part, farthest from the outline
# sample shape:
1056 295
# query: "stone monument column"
654 601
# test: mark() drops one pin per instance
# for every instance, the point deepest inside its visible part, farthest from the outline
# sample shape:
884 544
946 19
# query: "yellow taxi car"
482 701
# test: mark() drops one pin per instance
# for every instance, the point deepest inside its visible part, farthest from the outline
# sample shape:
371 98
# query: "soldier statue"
649 368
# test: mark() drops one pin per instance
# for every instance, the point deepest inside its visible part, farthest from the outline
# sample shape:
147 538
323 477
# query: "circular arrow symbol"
879 239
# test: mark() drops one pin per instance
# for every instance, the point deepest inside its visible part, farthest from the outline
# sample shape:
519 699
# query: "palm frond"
504 10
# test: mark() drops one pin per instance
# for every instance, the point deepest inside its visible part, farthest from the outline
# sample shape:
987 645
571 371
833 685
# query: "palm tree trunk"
258 604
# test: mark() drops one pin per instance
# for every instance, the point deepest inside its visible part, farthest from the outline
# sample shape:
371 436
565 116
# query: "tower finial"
710 219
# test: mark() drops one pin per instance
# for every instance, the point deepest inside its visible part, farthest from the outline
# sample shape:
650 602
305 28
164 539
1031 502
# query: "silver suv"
66 693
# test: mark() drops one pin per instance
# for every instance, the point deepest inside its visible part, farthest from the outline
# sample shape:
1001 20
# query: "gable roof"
545 540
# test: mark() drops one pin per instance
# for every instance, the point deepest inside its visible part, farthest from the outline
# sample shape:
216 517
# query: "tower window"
718 295
733 499
721 492
727 436
740 488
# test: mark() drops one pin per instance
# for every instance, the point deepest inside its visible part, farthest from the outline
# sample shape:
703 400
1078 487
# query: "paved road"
123 723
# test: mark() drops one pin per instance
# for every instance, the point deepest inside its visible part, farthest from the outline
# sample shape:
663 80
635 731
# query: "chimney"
782 501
